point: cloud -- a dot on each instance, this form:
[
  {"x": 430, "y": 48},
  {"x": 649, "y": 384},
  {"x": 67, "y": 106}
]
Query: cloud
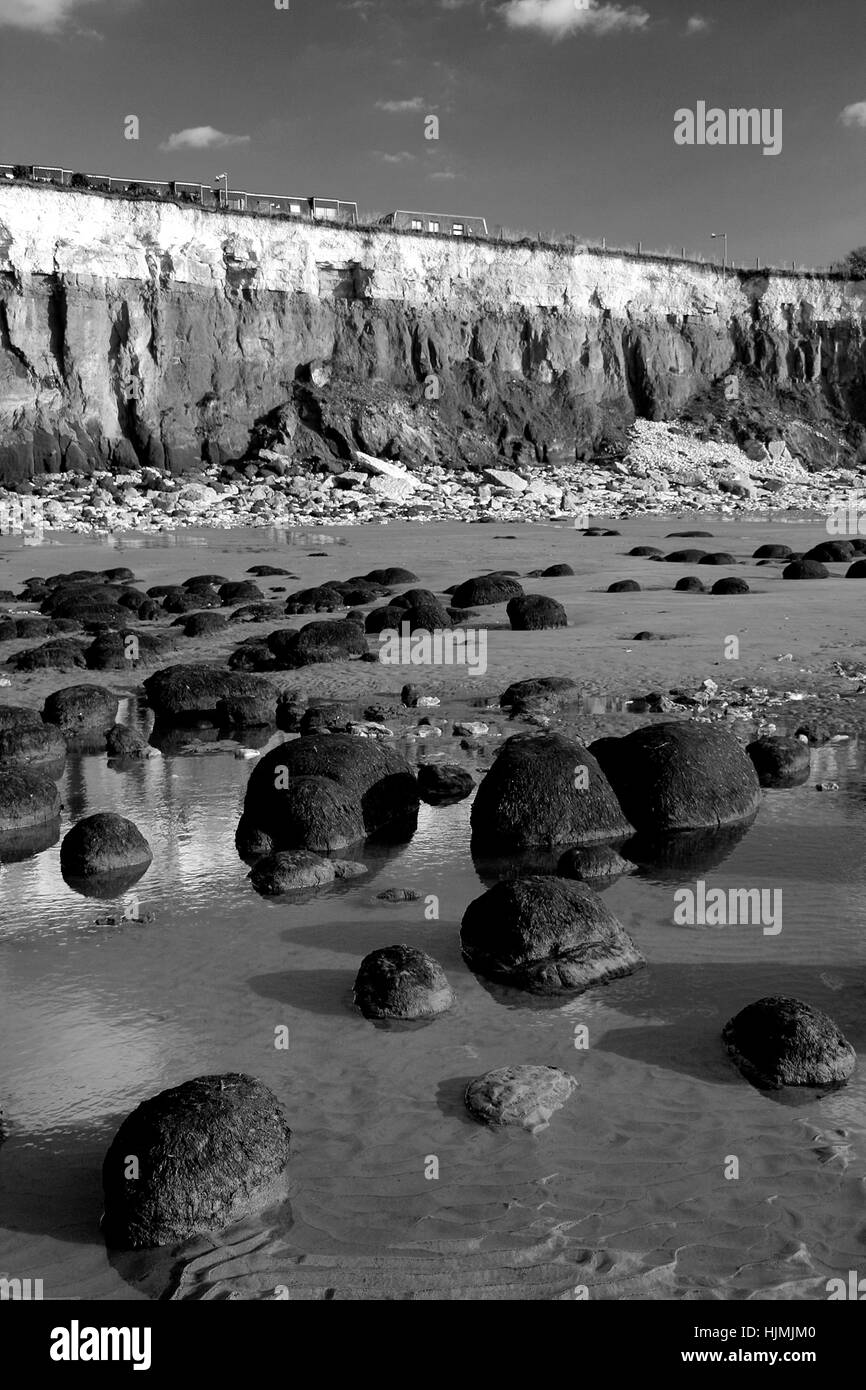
[
  {"x": 445, "y": 175},
  {"x": 854, "y": 115},
  {"x": 41, "y": 16},
  {"x": 412, "y": 104},
  {"x": 202, "y": 137},
  {"x": 559, "y": 18},
  {"x": 697, "y": 24},
  {"x": 401, "y": 157}
]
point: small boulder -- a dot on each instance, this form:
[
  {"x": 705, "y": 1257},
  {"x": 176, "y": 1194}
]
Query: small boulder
[
  {"x": 780, "y": 762},
  {"x": 805, "y": 569},
  {"x": 535, "y": 612},
  {"x": 103, "y": 844},
  {"x": 730, "y": 585},
  {"x": 488, "y": 588},
  {"x": 400, "y": 982},
  {"x": 624, "y": 586},
  {"x": 444, "y": 782},
  {"x": 525, "y": 1096},
  {"x": 779, "y": 1041}
]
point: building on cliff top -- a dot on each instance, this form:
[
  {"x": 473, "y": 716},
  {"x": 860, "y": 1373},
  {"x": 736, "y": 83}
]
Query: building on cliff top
[{"x": 447, "y": 223}]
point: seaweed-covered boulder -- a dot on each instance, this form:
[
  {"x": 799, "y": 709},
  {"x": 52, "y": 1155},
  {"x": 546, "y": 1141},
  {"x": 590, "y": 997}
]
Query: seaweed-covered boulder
[
  {"x": 18, "y": 717},
  {"x": 831, "y": 552},
  {"x": 545, "y": 790},
  {"x": 488, "y": 588},
  {"x": 524, "y": 1096},
  {"x": 424, "y": 614},
  {"x": 26, "y": 629},
  {"x": 680, "y": 776},
  {"x": 103, "y": 844},
  {"x": 209, "y": 1152},
  {"x": 61, "y": 654},
  {"x": 730, "y": 585},
  {"x": 267, "y": 572},
  {"x": 181, "y": 693},
  {"x": 252, "y": 655},
  {"x": 387, "y": 619},
  {"x": 805, "y": 569},
  {"x": 401, "y": 982},
  {"x": 780, "y": 761},
  {"x": 773, "y": 552},
  {"x": 119, "y": 574},
  {"x": 338, "y": 640},
  {"x": 202, "y": 624},
  {"x": 244, "y": 591},
  {"x": 123, "y": 742},
  {"x": 360, "y": 592},
  {"x": 685, "y": 557},
  {"x": 269, "y": 612},
  {"x": 718, "y": 557},
  {"x": 292, "y": 871},
  {"x": 522, "y": 692},
  {"x": 191, "y": 601},
  {"x": 327, "y": 791},
  {"x": 33, "y": 745},
  {"x": 546, "y": 935},
  {"x": 391, "y": 575},
  {"x": 126, "y": 650},
  {"x": 444, "y": 782},
  {"x": 779, "y": 1041},
  {"x": 535, "y": 612},
  {"x": 205, "y": 581},
  {"x": 253, "y": 710},
  {"x": 646, "y": 552},
  {"x": 27, "y": 798},
  {"x": 80, "y": 709},
  {"x": 624, "y": 586},
  {"x": 322, "y": 599},
  {"x": 557, "y": 572},
  {"x": 690, "y": 584}
]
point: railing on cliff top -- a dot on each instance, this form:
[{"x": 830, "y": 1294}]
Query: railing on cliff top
[{"x": 281, "y": 205}]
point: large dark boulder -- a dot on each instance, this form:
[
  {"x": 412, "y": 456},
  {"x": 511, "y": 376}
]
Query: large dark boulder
[
  {"x": 401, "y": 982},
  {"x": 624, "y": 586},
  {"x": 488, "y": 588},
  {"x": 773, "y": 552},
  {"x": 207, "y": 1153},
  {"x": 685, "y": 557},
  {"x": 316, "y": 643},
  {"x": 718, "y": 557},
  {"x": 61, "y": 654},
  {"x": 779, "y": 1042},
  {"x": 730, "y": 585},
  {"x": 327, "y": 791},
  {"x": 191, "y": 601},
  {"x": 545, "y": 790},
  {"x": 27, "y": 799},
  {"x": 81, "y": 709},
  {"x": 123, "y": 742},
  {"x": 646, "y": 552},
  {"x": 535, "y": 612},
  {"x": 537, "y": 686},
  {"x": 201, "y": 624},
  {"x": 831, "y": 552},
  {"x": 387, "y": 619},
  {"x": 126, "y": 650},
  {"x": 857, "y": 570},
  {"x": 690, "y": 584},
  {"x": 546, "y": 935},
  {"x": 680, "y": 776},
  {"x": 805, "y": 569},
  {"x": 322, "y": 599},
  {"x": 244, "y": 591},
  {"x": 392, "y": 575},
  {"x": 103, "y": 844},
  {"x": 779, "y": 761},
  {"x": 179, "y": 694}
]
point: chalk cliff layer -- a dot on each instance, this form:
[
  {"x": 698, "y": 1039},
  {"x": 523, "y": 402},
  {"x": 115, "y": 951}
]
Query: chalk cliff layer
[{"x": 148, "y": 331}]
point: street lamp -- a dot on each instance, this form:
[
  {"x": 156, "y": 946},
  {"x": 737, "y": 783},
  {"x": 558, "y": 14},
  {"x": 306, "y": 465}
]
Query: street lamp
[
  {"x": 713, "y": 237},
  {"x": 226, "y": 178}
]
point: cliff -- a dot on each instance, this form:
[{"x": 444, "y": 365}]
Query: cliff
[{"x": 146, "y": 331}]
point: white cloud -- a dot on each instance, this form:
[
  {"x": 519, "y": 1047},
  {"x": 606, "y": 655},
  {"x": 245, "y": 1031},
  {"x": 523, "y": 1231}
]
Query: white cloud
[
  {"x": 559, "y": 18},
  {"x": 202, "y": 137},
  {"x": 402, "y": 157},
  {"x": 855, "y": 114},
  {"x": 43, "y": 16},
  {"x": 445, "y": 175},
  {"x": 697, "y": 24},
  {"x": 412, "y": 104}
]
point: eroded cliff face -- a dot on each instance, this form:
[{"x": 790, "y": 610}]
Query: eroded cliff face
[{"x": 148, "y": 331}]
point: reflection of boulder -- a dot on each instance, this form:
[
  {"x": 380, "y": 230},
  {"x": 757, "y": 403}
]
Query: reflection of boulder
[
  {"x": 546, "y": 935},
  {"x": 36, "y": 745},
  {"x": 685, "y": 852},
  {"x": 401, "y": 982},
  {"x": 206, "y": 1153},
  {"x": 784, "y": 1042},
  {"x": 27, "y": 798},
  {"x": 17, "y": 845},
  {"x": 680, "y": 776},
  {"x": 545, "y": 789},
  {"x": 525, "y": 1096},
  {"x": 326, "y": 791}
]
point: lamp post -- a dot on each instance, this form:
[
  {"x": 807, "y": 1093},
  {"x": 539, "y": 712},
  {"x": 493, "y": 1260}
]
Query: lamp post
[
  {"x": 225, "y": 177},
  {"x": 714, "y": 236}
]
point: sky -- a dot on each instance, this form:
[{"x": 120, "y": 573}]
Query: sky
[{"x": 555, "y": 117}]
